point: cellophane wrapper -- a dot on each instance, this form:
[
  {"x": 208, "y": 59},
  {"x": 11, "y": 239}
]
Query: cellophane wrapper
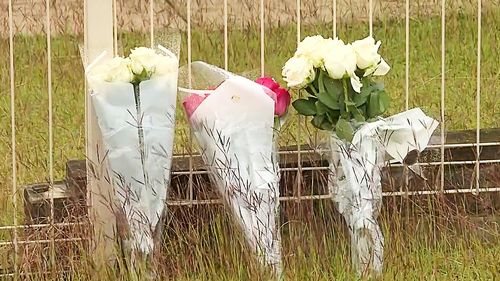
[
  {"x": 355, "y": 178},
  {"x": 234, "y": 129},
  {"x": 137, "y": 127}
]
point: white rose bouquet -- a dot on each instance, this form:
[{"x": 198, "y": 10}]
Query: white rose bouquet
[
  {"x": 134, "y": 99},
  {"x": 344, "y": 99},
  {"x": 233, "y": 125}
]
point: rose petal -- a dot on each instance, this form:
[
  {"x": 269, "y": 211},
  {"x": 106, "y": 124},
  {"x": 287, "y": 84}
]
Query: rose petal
[
  {"x": 192, "y": 102},
  {"x": 268, "y": 82},
  {"x": 283, "y": 100}
]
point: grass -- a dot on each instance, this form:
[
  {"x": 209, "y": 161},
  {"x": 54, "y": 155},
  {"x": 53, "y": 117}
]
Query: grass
[{"x": 311, "y": 253}]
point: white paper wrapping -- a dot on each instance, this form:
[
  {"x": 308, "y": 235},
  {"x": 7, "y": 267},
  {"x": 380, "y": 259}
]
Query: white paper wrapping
[
  {"x": 234, "y": 129},
  {"x": 355, "y": 178},
  {"x": 139, "y": 144}
]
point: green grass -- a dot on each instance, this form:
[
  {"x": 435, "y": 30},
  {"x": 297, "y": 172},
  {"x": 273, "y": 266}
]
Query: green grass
[{"x": 451, "y": 257}]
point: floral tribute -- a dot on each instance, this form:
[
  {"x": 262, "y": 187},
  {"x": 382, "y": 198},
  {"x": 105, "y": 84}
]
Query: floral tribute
[
  {"x": 236, "y": 125},
  {"x": 345, "y": 99},
  {"x": 134, "y": 99}
]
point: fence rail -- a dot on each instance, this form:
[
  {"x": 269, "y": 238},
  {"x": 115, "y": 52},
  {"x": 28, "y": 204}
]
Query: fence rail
[{"x": 154, "y": 19}]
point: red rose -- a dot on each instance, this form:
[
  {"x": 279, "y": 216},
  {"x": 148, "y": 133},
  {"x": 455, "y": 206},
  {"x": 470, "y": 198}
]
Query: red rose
[{"x": 280, "y": 96}]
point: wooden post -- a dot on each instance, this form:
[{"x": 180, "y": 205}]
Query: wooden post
[{"x": 98, "y": 38}]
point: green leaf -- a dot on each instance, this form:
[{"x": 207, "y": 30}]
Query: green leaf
[
  {"x": 333, "y": 116},
  {"x": 344, "y": 130},
  {"x": 317, "y": 120},
  {"x": 321, "y": 108},
  {"x": 374, "y": 105},
  {"x": 357, "y": 114},
  {"x": 333, "y": 87},
  {"x": 321, "y": 122},
  {"x": 384, "y": 101},
  {"x": 310, "y": 91},
  {"x": 321, "y": 85},
  {"x": 329, "y": 100},
  {"x": 305, "y": 106}
]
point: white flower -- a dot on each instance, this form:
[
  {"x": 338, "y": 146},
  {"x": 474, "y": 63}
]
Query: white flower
[
  {"x": 116, "y": 69},
  {"x": 368, "y": 58},
  {"x": 340, "y": 59},
  {"x": 298, "y": 72},
  {"x": 164, "y": 66},
  {"x": 310, "y": 48},
  {"x": 143, "y": 58}
]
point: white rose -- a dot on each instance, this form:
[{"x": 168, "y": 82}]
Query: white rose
[
  {"x": 340, "y": 59},
  {"x": 368, "y": 58},
  {"x": 310, "y": 49},
  {"x": 164, "y": 66},
  {"x": 143, "y": 58},
  {"x": 116, "y": 69},
  {"x": 298, "y": 72}
]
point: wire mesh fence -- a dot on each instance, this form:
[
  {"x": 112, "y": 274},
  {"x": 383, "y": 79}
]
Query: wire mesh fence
[{"x": 442, "y": 54}]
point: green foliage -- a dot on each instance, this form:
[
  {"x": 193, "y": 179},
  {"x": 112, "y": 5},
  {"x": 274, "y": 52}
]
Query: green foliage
[{"x": 335, "y": 106}]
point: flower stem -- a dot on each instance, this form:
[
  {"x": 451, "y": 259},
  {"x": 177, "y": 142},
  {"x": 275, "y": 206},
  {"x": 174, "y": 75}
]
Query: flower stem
[{"x": 346, "y": 94}]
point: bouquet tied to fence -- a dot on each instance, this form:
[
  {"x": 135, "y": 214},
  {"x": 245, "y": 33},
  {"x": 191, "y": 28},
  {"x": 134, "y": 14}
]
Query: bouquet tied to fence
[
  {"x": 344, "y": 99},
  {"x": 134, "y": 99},
  {"x": 234, "y": 125}
]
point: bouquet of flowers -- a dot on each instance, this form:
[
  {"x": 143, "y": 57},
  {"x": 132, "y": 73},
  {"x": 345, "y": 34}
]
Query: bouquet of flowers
[
  {"x": 134, "y": 99},
  {"x": 233, "y": 125},
  {"x": 344, "y": 99}
]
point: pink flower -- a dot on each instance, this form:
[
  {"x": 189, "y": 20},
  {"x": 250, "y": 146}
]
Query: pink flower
[
  {"x": 192, "y": 102},
  {"x": 280, "y": 95},
  {"x": 282, "y": 101},
  {"x": 268, "y": 82}
]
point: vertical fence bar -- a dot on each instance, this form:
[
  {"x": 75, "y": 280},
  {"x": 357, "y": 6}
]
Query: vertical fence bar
[
  {"x": 151, "y": 23},
  {"x": 13, "y": 138},
  {"x": 262, "y": 39},
  {"x": 188, "y": 27},
  {"x": 299, "y": 120},
  {"x": 478, "y": 96},
  {"x": 407, "y": 54},
  {"x": 334, "y": 18},
  {"x": 51, "y": 138},
  {"x": 226, "y": 55},
  {"x": 115, "y": 29},
  {"x": 443, "y": 69},
  {"x": 370, "y": 16}
]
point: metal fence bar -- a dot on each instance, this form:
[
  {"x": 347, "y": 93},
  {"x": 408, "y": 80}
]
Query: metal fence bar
[
  {"x": 334, "y": 8},
  {"x": 329, "y": 196},
  {"x": 151, "y": 23},
  {"x": 262, "y": 39},
  {"x": 407, "y": 54},
  {"x": 13, "y": 137},
  {"x": 50, "y": 137},
  {"x": 319, "y": 168},
  {"x": 32, "y": 226},
  {"x": 443, "y": 81},
  {"x": 189, "y": 58},
  {"x": 370, "y": 16},
  {"x": 478, "y": 95},
  {"x": 299, "y": 119},
  {"x": 43, "y": 241},
  {"x": 226, "y": 52},
  {"x": 115, "y": 29}
]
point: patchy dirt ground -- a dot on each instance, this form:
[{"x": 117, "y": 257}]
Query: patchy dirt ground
[{"x": 67, "y": 15}]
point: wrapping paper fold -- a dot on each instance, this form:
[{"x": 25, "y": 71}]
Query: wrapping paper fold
[
  {"x": 355, "y": 178},
  {"x": 233, "y": 126},
  {"x": 138, "y": 136}
]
